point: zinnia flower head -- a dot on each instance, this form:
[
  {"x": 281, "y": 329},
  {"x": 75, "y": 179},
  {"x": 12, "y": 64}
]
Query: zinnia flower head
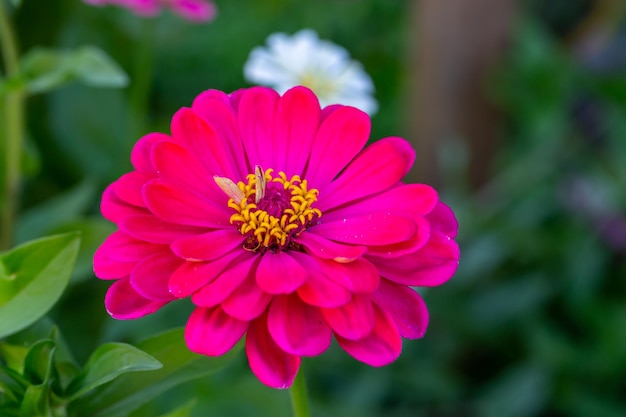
[
  {"x": 192, "y": 10},
  {"x": 268, "y": 213},
  {"x": 304, "y": 59}
]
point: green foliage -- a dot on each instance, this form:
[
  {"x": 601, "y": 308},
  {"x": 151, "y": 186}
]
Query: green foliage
[
  {"x": 132, "y": 391},
  {"x": 33, "y": 277},
  {"x": 107, "y": 363},
  {"x": 44, "y": 70},
  {"x": 41, "y": 378}
]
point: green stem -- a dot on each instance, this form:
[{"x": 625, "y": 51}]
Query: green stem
[
  {"x": 13, "y": 133},
  {"x": 299, "y": 400}
]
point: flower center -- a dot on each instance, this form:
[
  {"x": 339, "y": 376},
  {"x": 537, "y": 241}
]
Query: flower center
[
  {"x": 270, "y": 211},
  {"x": 319, "y": 82}
]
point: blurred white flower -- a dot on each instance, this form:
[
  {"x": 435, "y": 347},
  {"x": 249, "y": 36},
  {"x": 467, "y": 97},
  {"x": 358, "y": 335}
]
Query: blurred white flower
[{"x": 322, "y": 66}]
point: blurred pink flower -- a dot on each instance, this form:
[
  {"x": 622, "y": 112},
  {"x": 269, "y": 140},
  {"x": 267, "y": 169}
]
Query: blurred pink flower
[
  {"x": 271, "y": 216},
  {"x": 193, "y": 10}
]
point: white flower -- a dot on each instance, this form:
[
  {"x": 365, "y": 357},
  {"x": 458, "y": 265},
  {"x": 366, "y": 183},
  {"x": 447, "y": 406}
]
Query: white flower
[{"x": 322, "y": 66}]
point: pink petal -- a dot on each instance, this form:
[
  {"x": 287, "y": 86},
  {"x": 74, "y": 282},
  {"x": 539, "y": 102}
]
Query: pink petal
[
  {"x": 194, "y": 10},
  {"x": 247, "y": 301},
  {"x": 328, "y": 110},
  {"x": 144, "y": 8},
  {"x": 234, "y": 98},
  {"x": 151, "y": 276},
  {"x": 359, "y": 276},
  {"x": 298, "y": 328},
  {"x": 323, "y": 248},
  {"x": 201, "y": 140},
  {"x": 121, "y": 247},
  {"x": 376, "y": 228},
  {"x": 176, "y": 165},
  {"x": 380, "y": 166},
  {"x": 104, "y": 267},
  {"x": 192, "y": 276},
  {"x": 177, "y": 205},
  {"x": 319, "y": 290},
  {"x": 431, "y": 265},
  {"x": 352, "y": 321},
  {"x": 128, "y": 187},
  {"x": 405, "y": 306},
  {"x": 443, "y": 220},
  {"x": 114, "y": 209},
  {"x": 297, "y": 119},
  {"x": 140, "y": 155},
  {"x": 273, "y": 366},
  {"x": 214, "y": 107},
  {"x": 256, "y": 115},
  {"x": 381, "y": 347},
  {"x": 417, "y": 199},
  {"x": 124, "y": 303},
  {"x": 419, "y": 239},
  {"x": 203, "y": 106},
  {"x": 341, "y": 135},
  {"x": 219, "y": 288},
  {"x": 412, "y": 200},
  {"x": 211, "y": 332},
  {"x": 150, "y": 228},
  {"x": 279, "y": 273},
  {"x": 207, "y": 246}
]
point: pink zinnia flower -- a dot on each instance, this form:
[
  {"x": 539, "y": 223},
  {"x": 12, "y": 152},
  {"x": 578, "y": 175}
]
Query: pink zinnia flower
[
  {"x": 193, "y": 10},
  {"x": 271, "y": 216}
]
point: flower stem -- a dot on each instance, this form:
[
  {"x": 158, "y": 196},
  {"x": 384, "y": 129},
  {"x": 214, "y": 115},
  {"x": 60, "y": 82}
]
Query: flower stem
[
  {"x": 299, "y": 400},
  {"x": 13, "y": 131}
]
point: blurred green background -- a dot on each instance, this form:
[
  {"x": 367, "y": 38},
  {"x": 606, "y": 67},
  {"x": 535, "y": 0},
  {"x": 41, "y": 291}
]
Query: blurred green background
[{"x": 533, "y": 323}]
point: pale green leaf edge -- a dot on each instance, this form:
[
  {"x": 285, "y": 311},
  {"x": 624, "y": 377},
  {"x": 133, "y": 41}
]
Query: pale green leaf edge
[{"x": 13, "y": 315}]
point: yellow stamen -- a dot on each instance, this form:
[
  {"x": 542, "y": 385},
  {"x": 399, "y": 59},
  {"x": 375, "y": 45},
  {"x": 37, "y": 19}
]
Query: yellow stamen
[{"x": 266, "y": 231}]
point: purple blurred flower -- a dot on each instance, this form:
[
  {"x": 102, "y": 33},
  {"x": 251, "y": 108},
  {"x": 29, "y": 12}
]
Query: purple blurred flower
[{"x": 192, "y": 10}]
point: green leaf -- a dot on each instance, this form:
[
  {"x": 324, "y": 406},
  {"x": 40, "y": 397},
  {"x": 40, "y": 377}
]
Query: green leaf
[
  {"x": 65, "y": 366},
  {"x": 47, "y": 69},
  {"x": 36, "y": 402},
  {"x": 38, "y": 362},
  {"x": 13, "y": 355},
  {"x": 12, "y": 382},
  {"x": 32, "y": 278},
  {"x": 93, "y": 67},
  {"x": 42, "y": 329},
  {"x": 93, "y": 231},
  {"x": 131, "y": 391},
  {"x": 16, "y": 3},
  {"x": 15, "y": 348},
  {"x": 107, "y": 363}
]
